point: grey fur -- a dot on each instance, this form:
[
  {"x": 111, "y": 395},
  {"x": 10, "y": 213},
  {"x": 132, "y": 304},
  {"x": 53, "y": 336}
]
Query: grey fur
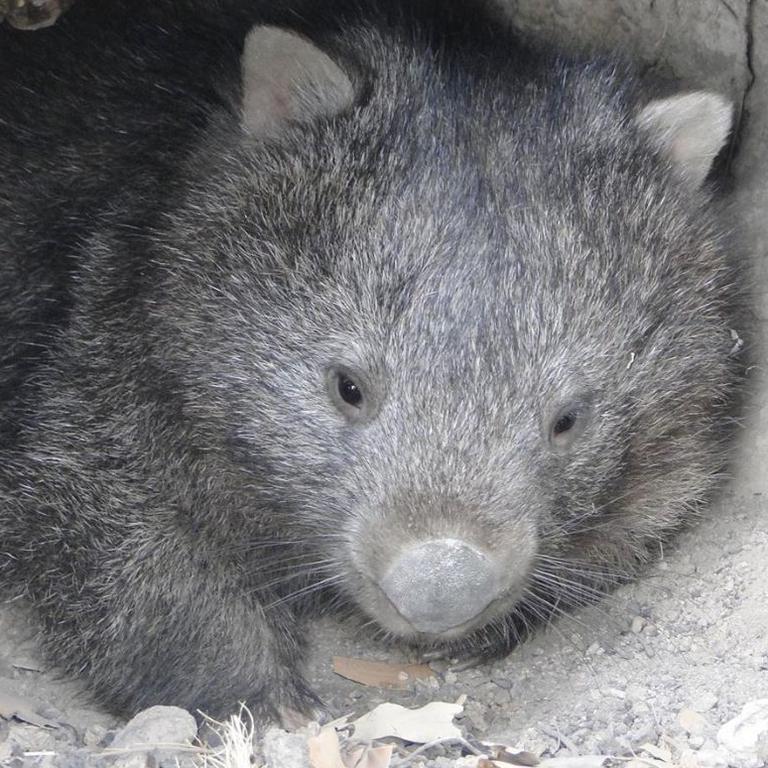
[{"x": 484, "y": 240}]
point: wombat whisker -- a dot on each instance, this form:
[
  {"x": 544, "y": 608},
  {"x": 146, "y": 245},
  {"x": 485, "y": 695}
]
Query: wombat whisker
[
  {"x": 299, "y": 543},
  {"x": 569, "y": 564},
  {"x": 291, "y": 563},
  {"x": 549, "y": 617},
  {"x": 295, "y": 575},
  {"x": 304, "y": 591},
  {"x": 287, "y": 571},
  {"x": 341, "y": 605},
  {"x": 578, "y": 594},
  {"x": 554, "y": 573},
  {"x": 595, "y": 580},
  {"x": 550, "y": 613},
  {"x": 303, "y": 580},
  {"x": 372, "y": 623},
  {"x": 575, "y": 570},
  {"x": 583, "y": 594},
  {"x": 255, "y": 545},
  {"x": 597, "y": 592}
]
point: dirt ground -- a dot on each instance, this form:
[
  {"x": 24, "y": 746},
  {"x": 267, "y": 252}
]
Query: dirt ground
[{"x": 691, "y": 636}]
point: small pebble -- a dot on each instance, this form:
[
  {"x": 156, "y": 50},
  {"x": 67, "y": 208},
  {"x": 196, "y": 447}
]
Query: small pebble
[
  {"x": 157, "y": 725},
  {"x": 711, "y": 758},
  {"x": 502, "y": 682},
  {"x": 614, "y": 693},
  {"x": 140, "y": 760},
  {"x": 635, "y": 692},
  {"x": 94, "y": 735},
  {"x": 703, "y": 702},
  {"x": 692, "y": 722},
  {"x": 533, "y": 740},
  {"x": 696, "y": 741},
  {"x": 641, "y": 709},
  {"x": 688, "y": 759}
]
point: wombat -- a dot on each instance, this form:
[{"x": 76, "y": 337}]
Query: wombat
[{"x": 353, "y": 306}]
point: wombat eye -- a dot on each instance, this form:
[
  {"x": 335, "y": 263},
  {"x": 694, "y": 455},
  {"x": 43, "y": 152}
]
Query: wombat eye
[
  {"x": 563, "y": 424},
  {"x": 349, "y": 391},
  {"x": 567, "y": 424}
]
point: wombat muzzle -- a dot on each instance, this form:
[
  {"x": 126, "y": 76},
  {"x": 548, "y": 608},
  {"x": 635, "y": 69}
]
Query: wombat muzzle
[{"x": 440, "y": 584}]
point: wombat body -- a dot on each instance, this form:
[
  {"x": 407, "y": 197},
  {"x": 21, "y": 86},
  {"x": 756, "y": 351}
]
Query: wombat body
[{"x": 372, "y": 304}]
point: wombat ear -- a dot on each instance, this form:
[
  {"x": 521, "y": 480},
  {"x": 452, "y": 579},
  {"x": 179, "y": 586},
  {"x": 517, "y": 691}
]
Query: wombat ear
[
  {"x": 691, "y": 128},
  {"x": 286, "y": 78}
]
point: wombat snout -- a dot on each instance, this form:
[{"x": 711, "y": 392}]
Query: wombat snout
[{"x": 440, "y": 584}]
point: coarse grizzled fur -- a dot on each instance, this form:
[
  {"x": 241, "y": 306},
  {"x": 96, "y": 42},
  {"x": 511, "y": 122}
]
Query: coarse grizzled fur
[{"x": 450, "y": 296}]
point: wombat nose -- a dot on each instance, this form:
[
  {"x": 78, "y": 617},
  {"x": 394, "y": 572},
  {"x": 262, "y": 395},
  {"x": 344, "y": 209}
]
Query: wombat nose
[{"x": 440, "y": 584}]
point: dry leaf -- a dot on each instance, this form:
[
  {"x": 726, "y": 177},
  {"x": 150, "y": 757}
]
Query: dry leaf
[
  {"x": 369, "y": 757},
  {"x": 27, "y": 665},
  {"x": 514, "y": 757},
  {"x": 380, "y": 674},
  {"x": 324, "y": 751},
  {"x": 744, "y": 734},
  {"x": 428, "y": 723},
  {"x": 340, "y": 723},
  {"x": 12, "y": 705},
  {"x": 660, "y": 753}
]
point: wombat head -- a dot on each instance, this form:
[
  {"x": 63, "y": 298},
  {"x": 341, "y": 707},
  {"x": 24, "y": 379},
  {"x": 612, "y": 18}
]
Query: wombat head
[{"x": 464, "y": 321}]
